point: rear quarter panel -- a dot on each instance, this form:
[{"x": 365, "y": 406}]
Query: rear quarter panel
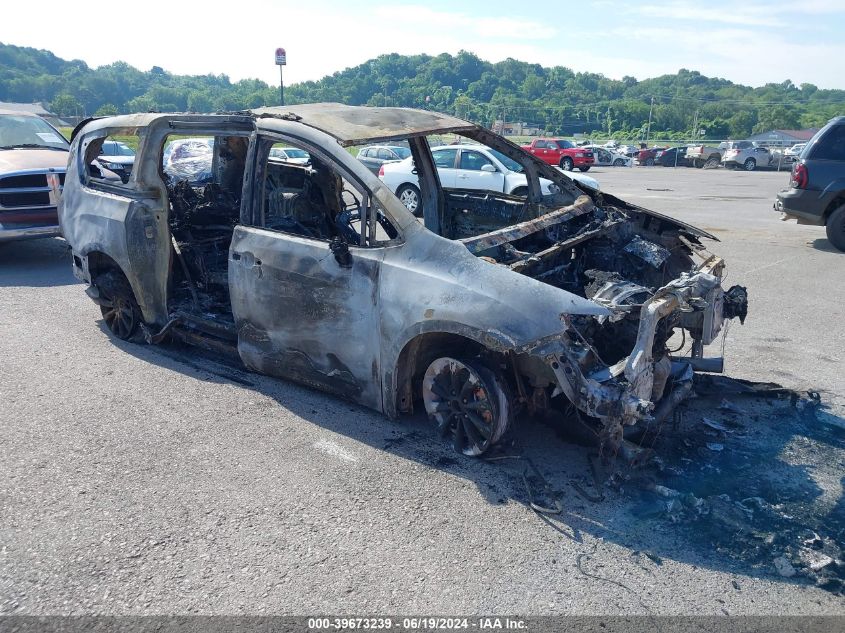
[{"x": 125, "y": 223}]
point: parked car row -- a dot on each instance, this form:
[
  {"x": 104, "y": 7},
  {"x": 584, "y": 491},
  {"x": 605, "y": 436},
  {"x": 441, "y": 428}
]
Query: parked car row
[
  {"x": 745, "y": 155},
  {"x": 582, "y": 156}
]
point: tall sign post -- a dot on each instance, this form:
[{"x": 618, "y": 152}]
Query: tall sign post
[{"x": 281, "y": 62}]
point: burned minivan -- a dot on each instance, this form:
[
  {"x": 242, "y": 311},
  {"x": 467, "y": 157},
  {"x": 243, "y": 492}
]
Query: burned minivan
[{"x": 563, "y": 299}]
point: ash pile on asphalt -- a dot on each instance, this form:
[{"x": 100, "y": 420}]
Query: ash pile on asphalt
[{"x": 754, "y": 472}]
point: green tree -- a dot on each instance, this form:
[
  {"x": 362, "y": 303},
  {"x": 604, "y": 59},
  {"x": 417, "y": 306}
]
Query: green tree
[
  {"x": 557, "y": 98},
  {"x": 140, "y": 104},
  {"x": 66, "y": 105},
  {"x": 776, "y": 118},
  {"x": 107, "y": 109},
  {"x": 741, "y": 124},
  {"x": 533, "y": 87},
  {"x": 199, "y": 101}
]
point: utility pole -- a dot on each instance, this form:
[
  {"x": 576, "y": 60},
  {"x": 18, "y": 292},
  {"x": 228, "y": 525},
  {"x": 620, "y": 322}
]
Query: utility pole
[
  {"x": 281, "y": 61},
  {"x": 648, "y": 129}
]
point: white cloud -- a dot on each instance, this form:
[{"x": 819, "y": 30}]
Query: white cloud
[
  {"x": 747, "y": 15},
  {"x": 742, "y": 55},
  {"x": 424, "y": 19}
]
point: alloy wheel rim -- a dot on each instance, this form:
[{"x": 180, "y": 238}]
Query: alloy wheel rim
[
  {"x": 409, "y": 199},
  {"x": 461, "y": 404},
  {"x": 119, "y": 318}
]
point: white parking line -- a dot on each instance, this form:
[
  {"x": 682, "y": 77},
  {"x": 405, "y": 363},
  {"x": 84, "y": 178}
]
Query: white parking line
[{"x": 334, "y": 449}]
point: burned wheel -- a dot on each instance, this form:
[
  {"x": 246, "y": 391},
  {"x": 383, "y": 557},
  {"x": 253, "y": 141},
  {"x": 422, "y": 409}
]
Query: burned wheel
[
  {"x": 119, "y": 309},
  {"x": 468, "y": 401}
]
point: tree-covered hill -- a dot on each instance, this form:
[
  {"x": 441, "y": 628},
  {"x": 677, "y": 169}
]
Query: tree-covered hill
[{"x": 556, "y": 99}]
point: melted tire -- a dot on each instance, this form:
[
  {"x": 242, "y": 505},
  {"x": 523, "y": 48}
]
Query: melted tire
[
  {"x": 123, "y": 316},
  {"x": 469, "y": 401}
]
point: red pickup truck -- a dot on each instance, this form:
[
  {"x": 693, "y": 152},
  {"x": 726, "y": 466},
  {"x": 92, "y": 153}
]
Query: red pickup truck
[{"x": 564, "y": 154}]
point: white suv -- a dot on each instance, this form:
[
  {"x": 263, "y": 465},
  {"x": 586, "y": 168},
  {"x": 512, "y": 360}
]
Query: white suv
[{"x": 746, "y": 155}]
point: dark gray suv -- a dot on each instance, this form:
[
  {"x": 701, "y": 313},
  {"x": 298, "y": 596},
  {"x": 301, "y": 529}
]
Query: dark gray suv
[{"x": 816, "y": 193}]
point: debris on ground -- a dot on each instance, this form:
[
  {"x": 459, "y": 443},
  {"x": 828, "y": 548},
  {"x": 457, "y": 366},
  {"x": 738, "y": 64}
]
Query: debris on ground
[
  {"x": 715, "y": 424},
  {"x": 784, "y": 567},
  {"x": 727, "y": 405},
  {"x": 763, "y": 499}
]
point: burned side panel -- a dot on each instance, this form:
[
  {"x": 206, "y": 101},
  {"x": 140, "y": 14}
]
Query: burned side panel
[
  {"x": 127, "y": 225},
  {"x": 300, "y": 314}
]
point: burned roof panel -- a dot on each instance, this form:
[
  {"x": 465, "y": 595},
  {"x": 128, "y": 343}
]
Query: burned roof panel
[{"x": 356, "y": 125}]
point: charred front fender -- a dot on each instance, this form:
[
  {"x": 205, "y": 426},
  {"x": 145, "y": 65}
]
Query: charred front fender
[
  {"x": 449, "y": 290},
  {"x": 400, "y": 363}
]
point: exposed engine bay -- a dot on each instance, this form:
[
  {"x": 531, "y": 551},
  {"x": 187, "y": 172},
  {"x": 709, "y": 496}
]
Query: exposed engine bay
[{"x": 655, "y": 278}]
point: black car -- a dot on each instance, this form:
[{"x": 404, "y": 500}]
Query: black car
[
  {"x": 816, "y": 193},
  {"x": 671, "y": 157},
  {"x": 117, "y": 157}
]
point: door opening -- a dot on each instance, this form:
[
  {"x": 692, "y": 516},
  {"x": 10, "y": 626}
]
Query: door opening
[{"x": 204, "y": 177}]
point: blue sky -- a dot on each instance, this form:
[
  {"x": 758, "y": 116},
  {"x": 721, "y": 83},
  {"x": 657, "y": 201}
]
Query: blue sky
[{"x": 748, "y": 41}]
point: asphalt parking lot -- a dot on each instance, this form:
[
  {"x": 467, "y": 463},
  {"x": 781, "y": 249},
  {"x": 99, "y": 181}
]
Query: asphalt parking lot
[{"x": 153, "y": 480}]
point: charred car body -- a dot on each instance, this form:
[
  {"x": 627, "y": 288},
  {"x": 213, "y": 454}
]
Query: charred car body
[{"x": 495, "y": 303}]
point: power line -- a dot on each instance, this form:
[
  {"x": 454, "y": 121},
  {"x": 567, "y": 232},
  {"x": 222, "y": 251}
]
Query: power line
[{"x": 739, "y": 101}]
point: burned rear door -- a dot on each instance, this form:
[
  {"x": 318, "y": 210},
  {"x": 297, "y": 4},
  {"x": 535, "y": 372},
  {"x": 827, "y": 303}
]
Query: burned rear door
[{"x": 304, "y": 295}]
